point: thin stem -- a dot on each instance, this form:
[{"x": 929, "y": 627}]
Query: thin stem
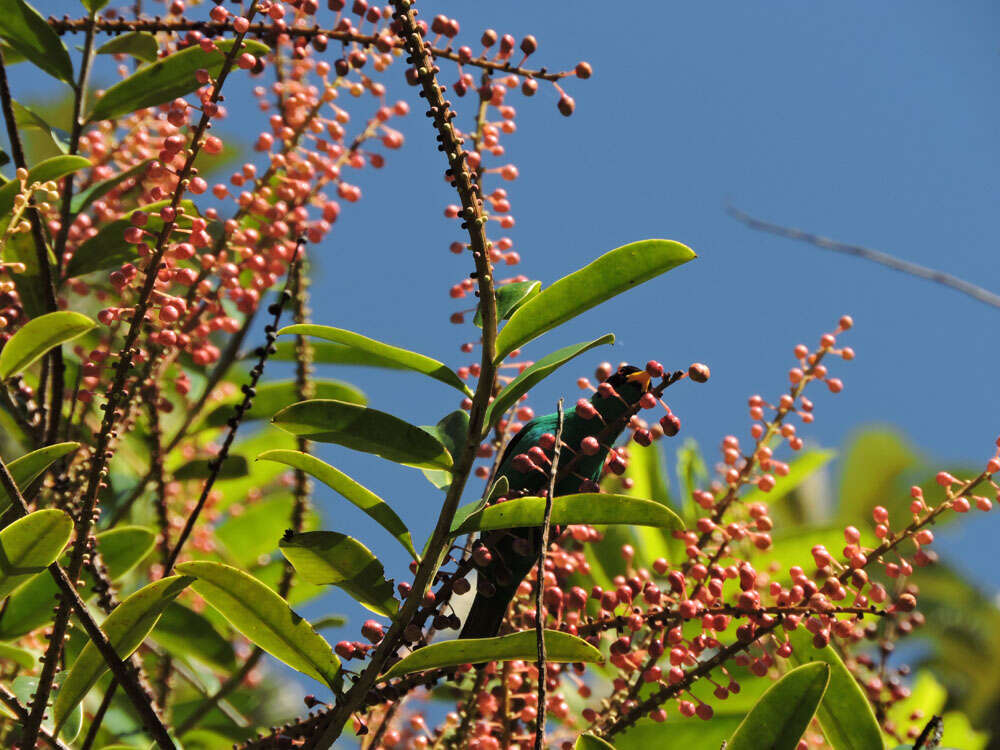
[
  {"x": 475, "y": 224},
  {"x": 867, "y": 253},
  {"x": 10, "y": 700},
  {"x": 540, "y": 580}
]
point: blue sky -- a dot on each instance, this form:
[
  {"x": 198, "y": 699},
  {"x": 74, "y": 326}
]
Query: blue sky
[{"x": 873, "y": 123}]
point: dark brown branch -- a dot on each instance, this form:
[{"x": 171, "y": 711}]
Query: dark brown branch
[{"x": 875, "y": 256}]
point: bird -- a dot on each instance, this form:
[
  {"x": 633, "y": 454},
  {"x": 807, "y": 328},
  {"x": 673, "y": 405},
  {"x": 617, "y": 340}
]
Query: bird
[{"x": 504, "y": 558}]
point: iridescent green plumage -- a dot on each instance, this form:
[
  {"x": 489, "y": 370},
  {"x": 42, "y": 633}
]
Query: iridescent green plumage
[{"x": 515, "y": 551}]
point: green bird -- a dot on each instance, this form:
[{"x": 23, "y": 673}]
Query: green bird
[{"x": 509, "y": 555}]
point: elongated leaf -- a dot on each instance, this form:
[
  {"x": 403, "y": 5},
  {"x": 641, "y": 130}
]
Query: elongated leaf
[
  {"x": 364, "y": 429},
  {"x": 559, "y": 647},
  {"x": 108, "y": 248},
  {"x": 327, "y": 557},
  {"x": 271, "y": 397},
  {"x": 185, "y": 633},
  {"x": 26, "y": 119},
  {"x": 30, "y": 607},
  {"x": 589, "y": 508},
  {"x": 780, "y": 717},
  {"x": 452, "y": 430},
  {"x": 30, "y": 466},
  {"x": 509, "y": 298},
  {"x": 232, "y": 468},
  {"x": 126, "y": 628},
  {"x": 330, "y": 621},
  {"x": 24, "y": 29},
  {"x": 98, "y": 190},
  {"x": 407, "y": 359},
  {"x": 799, "y": 470},
  {"x": 138, "y": 44},
  {"x": 535, "y": 374},
  {"x": 587, "y": 741},
  {"x": 338, "y": 481},
  {"x": 50, "y": 169},
  {"x": 165, "y": 79},
  {"x": 253, "y": 533},
  {"x": 38, "y": 336},
  {"x": 845, "y": 714},
  {"x": 24, "y": 687},
  {"x": 611, "y": 274},
  {"x": 264, "y": 618},
  {"x": 31, "y": 544},
  {"x": 19, "y": 656},
  {"x": 327, "y": 353}
]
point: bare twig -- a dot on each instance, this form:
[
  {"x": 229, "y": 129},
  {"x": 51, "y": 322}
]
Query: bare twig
[
  {"x": 540, "y": 580},
  {"x": 876, "y": 256}
]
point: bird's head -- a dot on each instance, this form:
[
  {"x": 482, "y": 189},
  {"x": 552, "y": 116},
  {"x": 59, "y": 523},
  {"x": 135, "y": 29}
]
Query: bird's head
[{"x": 621, "y": 391}]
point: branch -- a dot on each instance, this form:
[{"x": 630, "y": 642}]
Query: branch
[
  {"x": 475, "y": 223},
  {"x": 540, "y": 580},
  {"x": 876, "y": 256},
  {"x": 10, "y": 700}
]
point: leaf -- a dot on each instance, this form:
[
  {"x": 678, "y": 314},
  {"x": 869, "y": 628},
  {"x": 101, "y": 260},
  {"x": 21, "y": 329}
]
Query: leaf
[
  {"x": 648, "y": 480},
  {"x": 24, "y": 688},
  {"x": 264, "y": 618},
  {"x": 326, "y": 353},
  {"x": 126, "y": 628},
  {"x": 533, "y": 375},
  {"x": 799, "y": 470},
  {"x": 185, "y": 633},
  {"x": 330, "y": 621},
  {"x": 589, "y": 508},
  {"x": 31, "y": 544},
  {"x": 108, "y": 248},
  {"x": 271, "y": 397},
  {"x": 355, "y": 493},
  {"x": 50, "y": 169},
  {"x": 36, "y": 337},
  {"x": 871, "y": 473},
  {"x": 30, "y": 466},
  {"x": 691, "y": 474},
  {"x": 28, "y": 120},
  {"x": 510, "y": 297},
  {"x": 24, "y": 29},
  {"x": 781, "y": 716},
  {"x": 587, "y": 741},
  {"x": 845, "y": 714},
  {"x": 559, "y": 647},
  {"x": 232, "y": 467},
  {"x": 165, "y": 79},
  {"x": 405, "y": 358},
  {"x": 138, "y": 44},
  {"x": 452, "y": 430},
  {"x": 364, "y": 429},
  {"x": 254, "y": 533},
  {"x": 19, "y": 656},
  {"x": 327, "y": 557},
  {"x": 98, "y": 190},
  {"x": 30, "y": 607},
  {"x": 94, "y": 6},
  {"x": 611, "y": 274}
]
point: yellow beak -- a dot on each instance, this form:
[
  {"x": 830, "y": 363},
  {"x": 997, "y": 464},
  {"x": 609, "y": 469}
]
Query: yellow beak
[{"x": 642, "y": 377}]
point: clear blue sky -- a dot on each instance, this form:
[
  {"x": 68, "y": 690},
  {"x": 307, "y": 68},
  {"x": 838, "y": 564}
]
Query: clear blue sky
[{"x": 874, "y": 123}]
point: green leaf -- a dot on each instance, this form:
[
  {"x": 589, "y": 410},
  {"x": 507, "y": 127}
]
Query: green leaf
[
  {"x": 691, "y": 474},
  {"x": 30, "y": 466},
  {"x": 94, "y": 6},
  {"x": 327, "y": 557},
  {"x": 200, "y": 468},
  {"x": 405, "y": 358},
  {"x": 38, "y": 336},
  {"x": 648, "y": 480},
  {"x": 50, "y": 169},
  {"x": 138, "y": 44},
  {"x": 845, "y": 714},
  {"x": 271, "y": 397},
  {"x": 24, "y": 688},
  {"x": 799, "y": 470},
  {"x": 535, "y": 374},
  {"x": 364, "y": 429},
  {"x": 355, "y": 493},
  {"x": 31, "y": 544},
  {"x": 254, "y": 532},
  {"x": 611, "y": 274},
  {"x": 326, "y": 353},
  {"x": 185, "y": 633},
  {"x": 510, "y": 297},
  {"x": 24, "y": 29},
  {"x": 126, "y": 628},
  {"x": 587, "y": 741},
  {"x": 108, "y": 248},
  {"x": 330, "y": 621},
  {"x": 30, "y": 607},
  {"x": 29, "y": 120},
  {"x": 165, "y": 80},
  {"x": 559, "y": 647},
  {"x": 871, "y": 473},
  {"x": 264, "y": 618},
  {"x": 19, "y": 656},
  {"x": 781, "y": 716},
  {"x": 589, "y": 508},
  {"x": 452, "y": 430},
  {"x": 98, "y": 190}
]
